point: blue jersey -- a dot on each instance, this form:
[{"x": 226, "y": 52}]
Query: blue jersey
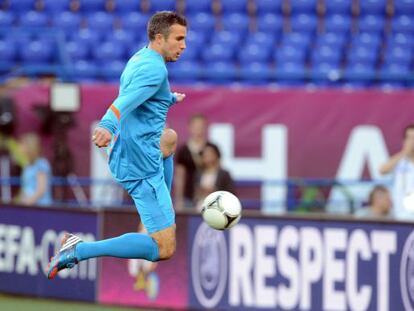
[{"x": 137, "y": 117}]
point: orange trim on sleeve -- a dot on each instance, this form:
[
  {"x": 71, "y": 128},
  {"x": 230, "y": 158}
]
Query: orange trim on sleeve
[{"x": 116, "y": 112}]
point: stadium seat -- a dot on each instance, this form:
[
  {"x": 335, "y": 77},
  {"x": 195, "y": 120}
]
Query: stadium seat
[
  {"x": 398, "y": 55},
  {"x": 289, "y": 53},
  {"x": 268, "y": 6},
  {"x": 127, "y": 6},
  {"x": 263, "y": 38},
  {"x": 218, "y": 52},
  {"x": 36, "y": 52},
  {"x": 221, "y": 72},
  {"x": 8, "y": 52},
  {"x": 185, "y": 72},
  {"x": 109, "y": 51},
  {"x": 101, "y": 22},
  {"x": 162, "y": 5},
  {"x": 359, "y": 72},
  {"x": 21, "y": 6},
  {"x": 325, "y": 73},
  {"x": 76, "y": 51},
  {"x": 195, "y": 39},
  {"x": 290, "y": 72},
  {"x": 338, "y": 23},
  {"x": 403, "y": 23},
  {"x": 331, "y": 38},
  {"x": 343, "y": 7},
  {"x": 233, "y": 6},
  {"x": 89, "y": 6},
  {"x": 254, "y": 53},
  {"x": 122, "y": 37},
  {"x": 297, "y": 39},
  {"x": 326, "y": 54},
  {"x": 404, "y": 7},
  {"x": 373, "y": 6},
  {"x": 236, "y": 22},
  {"x": 303, "y": 6},
  {"x": 226, "y": 37},
  {"x": 84, "y": 71},
  {"x": 394, "y": 73},
  {"x": 400, "y": 39},
  {"x": 256, "y": 73},
  {"x": 202, "y": 22},
  {"x": 87, "y": 37},
  {"x": 192, "y": 7},
  {"x": 362, "y": 54},
  {"x": 33, "y": 19},
  {"x": 366, "y": 39},
  {"x": 371, "y": 23},
  {"x": 304, "y": 23},
  {"x": 191, "y": 53},
  {"x": 270, "y": 23},
  {"x": 56, "y": 6},
  {"x": 68, "y": 22},
  {"x": 6, "y": 19},
  {"x": 111, "y": 70},
  {"x": 135, "y": 22}
]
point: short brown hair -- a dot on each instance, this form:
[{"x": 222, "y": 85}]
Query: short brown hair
[
  {"x": 376, "y": 189},
  {"x": 161, "y": 22},
  {"x": 407, "y": 128}
]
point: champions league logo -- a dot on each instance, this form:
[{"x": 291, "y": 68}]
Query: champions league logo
[
  {"x": 209, "y": 266},
  {"x": 407, "y": 273}
]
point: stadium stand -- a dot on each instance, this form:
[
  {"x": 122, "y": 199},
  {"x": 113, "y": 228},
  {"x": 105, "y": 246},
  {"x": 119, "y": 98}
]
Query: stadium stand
[{"x": 247, "y": 41}]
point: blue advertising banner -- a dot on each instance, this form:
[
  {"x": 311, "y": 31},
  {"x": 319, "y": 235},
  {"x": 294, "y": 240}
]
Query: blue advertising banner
[
  {"x": 29, "y": 237},
  {"x": 285, "y": 264}
]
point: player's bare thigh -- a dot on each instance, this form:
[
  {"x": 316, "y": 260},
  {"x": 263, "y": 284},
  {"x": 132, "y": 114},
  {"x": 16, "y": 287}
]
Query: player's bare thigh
[{"x": 166, "y": 242}]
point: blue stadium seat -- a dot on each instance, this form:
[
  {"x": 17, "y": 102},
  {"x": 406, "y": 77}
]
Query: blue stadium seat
[
  {"x": 400, "y": 39},
  {"x": 403, "y": 23},
  {"x": 122, "y": 37},
  {"x": 367, "y": 39},
  {"x": 101, "y": 22},
  {"x": 290, "y": 71},
  {"x": 254, "y": 53},
  {"x": 304, "y": 22},
  {"x": 234, "y": 6},
  {"x": 21, "y": 6},
  {"x": 362, "y": 54},
  {"x": 162, "y": 5},
  {"x": 270, "y": 23},
  {"x": 338, "y": 23},
  {"x": 256, "y": 73},
  {"x": 359, "y": 72},
  {"x": 83, "y": 70},
  {"x": 221, "y": 72},
  {"x": 398, "y": 55},
  {"x": 76, "y": 51},
  {"x": 297, "y": 39},
  {"x": 263, "y": 38},
  {"x": 372, "y": 6},
  {"x": 202, "y": 22},
  {"x": 192, "y": 7},
  {"x": 326, "y": 54},
  {"x": 56, "y": 6},
  {"x": 111, "y": 70},
  {"x": 225, "y": 37},
  {"x": 68, "y": 22},
  {"x": 6, "y": 19},
  {"x": 109, "y": 51},
  {"x": 37, "y": 52},
  {"x": 195, "y": 39},
  {"x": 88, "y": 6},
  {"x": 134, "y": 21},
  {"x": 185, "y": 72},
  {"x": 191, "y": 53},
  {"x": 404, "y": 7},
  {"x": 323, "y": 72},
  {"x": 289, "y": 53},
  {"x": 331, "y": 38},
  {"x": 127, "y": 6},
  {"x": 218, "y": 52},
  {"x": 371, "y": 23},
  {"x": 394, "y": 72},
  {"x": 236, "y": 22},
  {"x": 343, "y": 7},
  {"x": 34, "y": 19},
  {"x": 268, "y": 6},
  {"x": 8, "y": 51},
  {"x": 87, "y": 37},
  {"x": 303, "y": 6}
]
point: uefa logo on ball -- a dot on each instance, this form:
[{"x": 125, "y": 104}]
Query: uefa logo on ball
[
  {"x": 407, "y": 273},
  {"x": 209, "y": 265}
]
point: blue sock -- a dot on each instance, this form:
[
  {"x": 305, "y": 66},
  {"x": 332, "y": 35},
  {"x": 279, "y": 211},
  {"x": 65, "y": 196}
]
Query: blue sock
[
  {"x": 169, "y": 171},
  {"x": 129, "y": 245}
]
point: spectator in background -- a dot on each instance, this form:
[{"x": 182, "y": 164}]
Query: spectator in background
[
  {"x": 188, "y": 159},
  {"x": 36, "y": 175},
  {"x": 379, "y": 203},
  {"x": 401, "y": 165},
  {"x": 212, "y": 177}
]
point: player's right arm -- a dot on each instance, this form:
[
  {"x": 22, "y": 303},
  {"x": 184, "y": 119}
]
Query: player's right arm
[
  {"x": 391, "y": 164},
  {"x": 143, "y": 83}
]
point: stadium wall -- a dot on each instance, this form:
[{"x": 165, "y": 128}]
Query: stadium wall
[{"x": 264, "y": 263}]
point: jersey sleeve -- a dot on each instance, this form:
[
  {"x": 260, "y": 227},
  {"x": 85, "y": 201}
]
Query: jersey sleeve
[{"x": 144, "y": 83}]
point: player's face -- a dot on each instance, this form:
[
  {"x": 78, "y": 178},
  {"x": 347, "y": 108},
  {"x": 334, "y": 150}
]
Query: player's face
[{"x": 174, "y": 45}]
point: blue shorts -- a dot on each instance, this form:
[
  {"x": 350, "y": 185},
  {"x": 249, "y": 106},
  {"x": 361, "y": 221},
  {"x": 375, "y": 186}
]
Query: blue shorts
[{"x": 153, "y": 201}]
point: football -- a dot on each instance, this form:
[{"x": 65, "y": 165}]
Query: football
[{"x": 221, "y": 210}]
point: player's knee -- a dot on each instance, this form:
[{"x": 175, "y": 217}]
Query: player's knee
[
  {"x": 168, "y": 142},
  {"x": 167, "y": 250}
]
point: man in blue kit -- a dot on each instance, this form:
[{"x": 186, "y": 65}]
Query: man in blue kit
[{"x": 132, "y": 129}]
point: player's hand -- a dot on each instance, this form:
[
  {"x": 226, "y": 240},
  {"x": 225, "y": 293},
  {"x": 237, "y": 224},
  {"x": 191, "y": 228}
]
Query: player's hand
[
  {"x": 101, "y": 137},
  {"x": 180, "y": 96}
]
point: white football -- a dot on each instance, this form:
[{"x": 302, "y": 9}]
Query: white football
[{"x": 221, "y": 210}]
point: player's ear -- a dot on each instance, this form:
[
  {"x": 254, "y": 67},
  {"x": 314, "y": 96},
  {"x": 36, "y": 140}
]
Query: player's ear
[{"x": 158, "y": 38}]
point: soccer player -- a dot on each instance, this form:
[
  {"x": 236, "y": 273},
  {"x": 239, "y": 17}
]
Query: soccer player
[{"x": 132, "y": 129}]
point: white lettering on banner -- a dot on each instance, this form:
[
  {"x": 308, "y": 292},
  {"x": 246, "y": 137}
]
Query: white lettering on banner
[
  {"x": 288, "y": 267},
  {"x": 358, "y": 153},
  {"x": 335, "y": 241},
  {"x": 310, "y": 258},
  {"x": 359, "y": 246},
  {"x": 20, "y": 254},
  {"x": 270, "y": 167},
  {"x": 384, "y": 243},
  {"x": 265, "y": 266}
]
